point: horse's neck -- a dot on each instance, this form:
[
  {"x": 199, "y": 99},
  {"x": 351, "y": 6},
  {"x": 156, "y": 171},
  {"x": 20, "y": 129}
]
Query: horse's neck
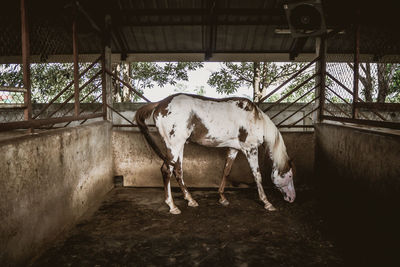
[{"x": 275, "y": 143}]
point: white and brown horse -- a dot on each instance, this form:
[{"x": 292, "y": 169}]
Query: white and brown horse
[{"x": 236, "y": 123}]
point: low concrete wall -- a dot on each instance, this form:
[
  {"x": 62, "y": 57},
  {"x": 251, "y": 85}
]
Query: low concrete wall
[
  {"x": 47, "y": 182},
  {"x": 202, "y": 166},
  {"x": 371, "y": 159},
  {"x": 358, "y": 181}
]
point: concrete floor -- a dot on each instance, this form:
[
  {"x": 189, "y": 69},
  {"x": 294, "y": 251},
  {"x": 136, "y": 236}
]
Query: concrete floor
[{"x": 132, "y": 227}]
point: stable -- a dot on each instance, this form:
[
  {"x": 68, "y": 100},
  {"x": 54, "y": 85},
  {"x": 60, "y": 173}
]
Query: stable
[{"x": 79, "y": 185}]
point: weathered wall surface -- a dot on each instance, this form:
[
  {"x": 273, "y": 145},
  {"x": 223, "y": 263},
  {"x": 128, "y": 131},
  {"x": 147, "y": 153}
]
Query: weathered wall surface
[
  {"x": 202, "y": 166},
  {"x": 48, "y": 181},
  {"x": 368, "y": 158},
  {"x": 358, "y": 181}
]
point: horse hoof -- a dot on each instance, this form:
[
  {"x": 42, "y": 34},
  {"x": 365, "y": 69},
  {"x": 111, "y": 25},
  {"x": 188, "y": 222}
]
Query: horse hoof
[
  {"x": 193, "y": 203},
  {"x": 224, "y": 202},
  {"x": 175, "y": 211},
  {"x": 269, "y": 207}
]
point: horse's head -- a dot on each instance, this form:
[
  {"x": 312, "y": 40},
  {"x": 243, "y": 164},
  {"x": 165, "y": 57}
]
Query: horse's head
[{"x": 284, "y": 182}]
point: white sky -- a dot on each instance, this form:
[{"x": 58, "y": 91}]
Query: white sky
[{"x": 196, "y": 78}]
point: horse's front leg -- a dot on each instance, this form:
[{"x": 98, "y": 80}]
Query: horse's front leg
[
  {"x": 252, "y": 157},
  {"x": 178, "y": 172}
]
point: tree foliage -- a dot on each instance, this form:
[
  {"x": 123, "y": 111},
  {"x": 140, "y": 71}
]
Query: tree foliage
[
  {"x": 261, "y": 76},
  {"x": 48, "y": 79}
]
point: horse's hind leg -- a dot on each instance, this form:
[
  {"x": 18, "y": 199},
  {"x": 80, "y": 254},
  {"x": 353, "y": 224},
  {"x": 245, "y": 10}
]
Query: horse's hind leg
[
  {"x": 178, "y": 172},
  {"x": 232, "y": 153},
  {"x": 166, "y": 171}
]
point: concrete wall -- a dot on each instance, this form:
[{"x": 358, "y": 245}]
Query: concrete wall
[
  {"x": 202, "y": 166},
  {"x": 358, "y": 183},
  {"x": 47, "y": 182},
  {"x": 370, "y": 159}
]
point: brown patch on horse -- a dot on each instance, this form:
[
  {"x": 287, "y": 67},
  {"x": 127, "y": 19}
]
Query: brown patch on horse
[
  {"x": 162, "y": 107},
  {"x": 172, "y": 132},
  {"x": 199, "y": 129},
  {"x": 242, "y": 134}
]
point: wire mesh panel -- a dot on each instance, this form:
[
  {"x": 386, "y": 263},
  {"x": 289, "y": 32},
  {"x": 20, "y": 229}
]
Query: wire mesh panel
[
  {"x": 339, "y": 86},
  {"x": 378, "y": 79},
  {"x": 291, "y": 104},
  {"x": 11, "y": 94}
]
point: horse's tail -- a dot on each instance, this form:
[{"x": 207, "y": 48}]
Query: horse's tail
[{"x": 141, "y": 115}]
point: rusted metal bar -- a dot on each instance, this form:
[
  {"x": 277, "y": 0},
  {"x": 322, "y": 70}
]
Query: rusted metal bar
[
  {"x": 127, "y": 85},
  {"x": 339, "y": 108},
  {"x": 12, "y": 89},
  {"x": 295, "y": 126},
  {"x": 132, "y": 125},
  {"x": 330, "y": 112},
  {"x": 302, "y": 107},
  {"x": 71, "y": 96},
  {"x": 356, "y": 71},
  {"x": 350, "y": 92},
  {"x": 94, "y": 111},
  {"x": 294, "y": 102},
  {"x": 288, "y": 80},
  {"x": 76, "y": 65},
  {"x": 108, "y": 94},
  {"x": 39, "y": 122},
  {"x": 12, "y": 106},
  {"x": 26, "y": 62},
  {"x": 305, "y": 116},
  {"x": 66, "y": 88},
  {"x": 103, "y": 84},
  {"x": 379, "y": 106},
  {"x": 116, "y": 111},
  {"x": 344, "y": 100},
  {"x": 382, "y": 124},
  {"x": 321, "y": 79},
  {"x": 83, "y": 109},
  {"x": 290, "y": 92}
]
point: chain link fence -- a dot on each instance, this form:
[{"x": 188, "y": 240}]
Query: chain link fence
[
  {"x": 378, "y": 80},
  {"x": 51, "y": 75}
]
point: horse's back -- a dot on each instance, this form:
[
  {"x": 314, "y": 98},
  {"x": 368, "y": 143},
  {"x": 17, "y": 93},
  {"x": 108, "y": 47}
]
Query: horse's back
[{"x": 207, "y": 121}]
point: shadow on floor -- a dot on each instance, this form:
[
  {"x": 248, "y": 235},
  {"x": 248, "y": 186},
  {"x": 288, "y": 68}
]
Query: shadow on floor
[{"x": 133, "y": 228}]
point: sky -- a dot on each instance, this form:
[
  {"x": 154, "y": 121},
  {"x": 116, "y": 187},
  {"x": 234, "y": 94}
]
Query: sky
[{"x": 196, "y": 78}]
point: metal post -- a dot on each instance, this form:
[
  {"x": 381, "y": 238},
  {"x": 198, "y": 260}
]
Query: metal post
[
  {"x": 320, "y": 68},
  {"x": 26, "y": 62},
  {"x": 106, "y": 64},
  {"x": 76, "y": 66},
  {"x": 356, "y": 76}
]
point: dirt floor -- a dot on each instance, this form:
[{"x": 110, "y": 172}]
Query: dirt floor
[{"x": 132, "y": 227}]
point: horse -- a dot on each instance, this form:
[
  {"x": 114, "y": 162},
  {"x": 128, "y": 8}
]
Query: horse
[{"x": 236, "y": 123}]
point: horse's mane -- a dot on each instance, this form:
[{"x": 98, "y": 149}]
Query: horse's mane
[{"x": 276, "y": 145}]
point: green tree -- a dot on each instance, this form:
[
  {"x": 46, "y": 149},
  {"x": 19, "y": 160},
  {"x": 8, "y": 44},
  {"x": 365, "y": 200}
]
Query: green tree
[
  {"x": 380, "y": 82},
  {"x": 260, "y": 76},
  {"x": 145, "y": 75},
  {"x": 48, "y": 79}
]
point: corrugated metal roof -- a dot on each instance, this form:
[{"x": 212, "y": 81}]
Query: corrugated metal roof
[{"x": 162, "y": 27}]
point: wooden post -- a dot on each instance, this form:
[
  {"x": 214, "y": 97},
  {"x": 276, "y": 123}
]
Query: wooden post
[
  {"x": 356, "y": 74},
  {"x": 107, "y": 96},
  {"x": 76, "y": 65},
  {"x": 26, "y": 62},
  {"x": 320, "y": 68}
]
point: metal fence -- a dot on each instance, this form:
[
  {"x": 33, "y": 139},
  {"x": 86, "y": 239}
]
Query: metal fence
[
  {"x": 364, "y": 88},
  {"x": 49, "y": 88}
]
